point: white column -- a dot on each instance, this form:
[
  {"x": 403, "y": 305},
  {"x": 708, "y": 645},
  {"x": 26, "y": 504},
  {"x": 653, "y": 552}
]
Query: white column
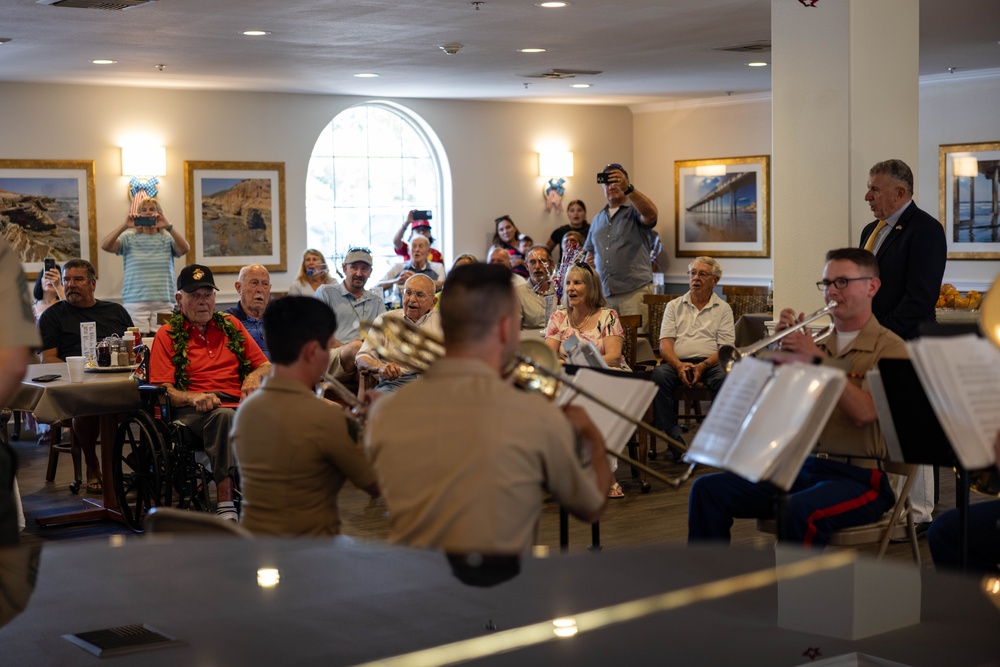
[{"x": 845, "y": 93}]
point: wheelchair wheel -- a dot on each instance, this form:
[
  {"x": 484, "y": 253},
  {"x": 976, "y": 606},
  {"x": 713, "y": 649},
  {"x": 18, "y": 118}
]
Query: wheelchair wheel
[{"x": 139, "y": 468}]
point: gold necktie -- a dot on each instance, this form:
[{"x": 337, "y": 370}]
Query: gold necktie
[{"x": 870, "y": 243}]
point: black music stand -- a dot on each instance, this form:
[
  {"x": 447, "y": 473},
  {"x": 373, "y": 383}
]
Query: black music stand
[{"x": 914, "y": 434}]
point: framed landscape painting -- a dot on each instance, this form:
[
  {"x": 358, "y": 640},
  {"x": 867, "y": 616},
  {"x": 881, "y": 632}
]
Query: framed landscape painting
[
  {"x": 48, "y": 209},
  {"x": 722, "y": 207},
  {"x": 968, "y": 178},
  {"x": 235, "y": 214}
]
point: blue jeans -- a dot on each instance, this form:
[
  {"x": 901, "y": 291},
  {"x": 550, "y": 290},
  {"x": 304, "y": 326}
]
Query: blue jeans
[{"x": 666, "y": 379}]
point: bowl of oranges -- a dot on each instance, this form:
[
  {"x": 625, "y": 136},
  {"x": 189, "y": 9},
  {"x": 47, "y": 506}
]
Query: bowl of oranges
[{"x": 950, "y": 298}]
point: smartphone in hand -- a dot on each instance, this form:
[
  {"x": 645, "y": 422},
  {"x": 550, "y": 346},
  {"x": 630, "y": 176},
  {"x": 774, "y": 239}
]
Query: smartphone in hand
[
  {"x": 49, "y": 264},
  {"x": 145, "y": 221}
]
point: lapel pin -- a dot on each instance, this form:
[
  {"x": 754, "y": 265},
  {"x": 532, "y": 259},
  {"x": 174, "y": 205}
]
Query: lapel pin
[{"x": 899, "y": 227}]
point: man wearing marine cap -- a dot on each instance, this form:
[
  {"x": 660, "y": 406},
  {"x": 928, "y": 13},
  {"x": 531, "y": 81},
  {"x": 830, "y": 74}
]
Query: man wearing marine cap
[{"x": 221, "y": 365}]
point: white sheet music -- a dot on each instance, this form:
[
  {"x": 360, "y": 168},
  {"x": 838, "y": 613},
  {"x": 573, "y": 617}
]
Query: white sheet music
[
  {"x": 766, "y": 419},
  {"x": 961, "y": 377},
  {"x": 729, "y": 410},
  {"x": 627, "y": 393}
]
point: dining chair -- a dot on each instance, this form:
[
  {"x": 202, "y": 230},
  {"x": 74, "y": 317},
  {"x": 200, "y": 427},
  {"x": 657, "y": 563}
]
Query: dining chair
[
  {"x": 638, "y": 445},
  {"x": 745, "y": 299},
  {"x": 656, "y": 304}
]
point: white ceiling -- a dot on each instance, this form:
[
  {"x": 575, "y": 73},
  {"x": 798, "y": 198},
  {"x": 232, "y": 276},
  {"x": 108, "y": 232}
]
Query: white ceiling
[{"x": 647, "y": 50}]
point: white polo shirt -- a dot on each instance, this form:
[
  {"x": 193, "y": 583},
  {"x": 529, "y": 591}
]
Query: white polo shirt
[{"x": 698, "y": 333}]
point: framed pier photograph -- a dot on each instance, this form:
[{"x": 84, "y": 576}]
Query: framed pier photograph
[
  {"x": 968, "y": 177},
  {"x": 722, "y": 207}
]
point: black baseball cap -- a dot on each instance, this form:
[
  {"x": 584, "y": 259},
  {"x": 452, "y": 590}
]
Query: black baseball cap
[{"x": 195, "y": 276}]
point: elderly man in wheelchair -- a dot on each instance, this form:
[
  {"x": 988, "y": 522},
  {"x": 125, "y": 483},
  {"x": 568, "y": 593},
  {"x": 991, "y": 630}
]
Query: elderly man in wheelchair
[{"x": 206, "y": 362}]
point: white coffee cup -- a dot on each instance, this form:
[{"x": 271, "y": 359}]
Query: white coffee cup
[{"x": 75, "y": 366}]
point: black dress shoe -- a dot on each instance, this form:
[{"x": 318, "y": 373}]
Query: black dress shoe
[
  {"x": 676, "y": 453},
  {"x": 920, "y": 528}
]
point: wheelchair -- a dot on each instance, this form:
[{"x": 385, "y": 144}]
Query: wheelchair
[{"x": 154, "y": 462}]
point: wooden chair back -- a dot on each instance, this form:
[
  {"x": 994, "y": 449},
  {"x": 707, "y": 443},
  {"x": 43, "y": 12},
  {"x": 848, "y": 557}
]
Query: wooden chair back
[
  {"x": 631, "y": 325},
  {"x": 655, "y": 305},
  {"x": 745, "y": 299}
]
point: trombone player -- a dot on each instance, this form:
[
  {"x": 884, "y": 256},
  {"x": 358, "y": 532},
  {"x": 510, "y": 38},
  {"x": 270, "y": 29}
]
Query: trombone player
[
  {"x": 842, "y": 485},
  {"x": 455, "y": 474}
]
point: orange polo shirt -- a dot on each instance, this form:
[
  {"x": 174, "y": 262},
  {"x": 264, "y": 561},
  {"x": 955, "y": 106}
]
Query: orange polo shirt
[{"x": 213, "y": 367}]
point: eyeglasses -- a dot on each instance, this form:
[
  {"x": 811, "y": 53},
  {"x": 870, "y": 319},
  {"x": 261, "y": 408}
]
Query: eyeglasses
[
  {"x": 584, "y": 265},
  {"x": 839, "y": 283},
  {"x": 419, "y": 295},
  {"x": 700, "y": 274},
  {"x": 614, "y": 165},
  {"x": 358, "y": 248}
]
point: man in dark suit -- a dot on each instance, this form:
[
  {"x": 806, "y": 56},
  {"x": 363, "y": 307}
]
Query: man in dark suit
[
  {"x": 911, "y": 251},
  {"x": 910, "y": 248}
]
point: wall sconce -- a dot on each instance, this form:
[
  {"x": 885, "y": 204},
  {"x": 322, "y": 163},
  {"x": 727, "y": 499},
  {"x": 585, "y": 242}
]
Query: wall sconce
[
  {"x": 966, "y": 165},
  {"x": 143, "y": 164},
  {"x": 707, "y": 170},
  {"x": 555, "y": 164}
]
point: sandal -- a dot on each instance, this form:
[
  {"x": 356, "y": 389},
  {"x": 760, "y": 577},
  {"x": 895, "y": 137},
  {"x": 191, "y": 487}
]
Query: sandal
[
  {"x": 616, "y": 491},
  {"x": 94, "y": 484}
]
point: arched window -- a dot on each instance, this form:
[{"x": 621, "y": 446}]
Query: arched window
[{"x": 372, "y": 164}]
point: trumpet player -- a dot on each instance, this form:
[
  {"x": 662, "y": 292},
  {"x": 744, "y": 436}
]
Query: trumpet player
[
  {"x": 456, "y": 474},
  {"x": 538, "y": 296},
  {"x": 842, "y": 484}
]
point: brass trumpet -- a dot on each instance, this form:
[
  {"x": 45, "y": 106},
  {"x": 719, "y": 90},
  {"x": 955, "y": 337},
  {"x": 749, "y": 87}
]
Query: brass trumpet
[
  {"x": 729, "y": 355},
  {"x": 534, "y": 370}
]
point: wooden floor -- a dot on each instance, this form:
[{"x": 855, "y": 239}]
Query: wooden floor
[{"x": 659, "y": 517}]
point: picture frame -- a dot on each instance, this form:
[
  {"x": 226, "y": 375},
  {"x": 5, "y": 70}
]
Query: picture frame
[
  {"x": 235, "y": 214},
  {"x": 968, "y": 172},
  {"x": 50, "y": 210},
  {"x": 722, "y": 207}
]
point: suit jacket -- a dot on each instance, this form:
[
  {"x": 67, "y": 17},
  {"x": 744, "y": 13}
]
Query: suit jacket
[{"x": 911, "y": 265}]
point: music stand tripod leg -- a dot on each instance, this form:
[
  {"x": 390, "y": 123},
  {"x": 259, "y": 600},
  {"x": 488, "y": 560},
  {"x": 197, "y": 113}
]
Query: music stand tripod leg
[
  {"x": 962, "y": 503},
  {"x": 563, "y": 529},
  {"x": 781, "y": 514}
]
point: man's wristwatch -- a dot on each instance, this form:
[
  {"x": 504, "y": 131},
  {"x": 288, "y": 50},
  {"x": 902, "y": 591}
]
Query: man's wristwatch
[
  {"x": 629, "y": 190},
  {"x": 169, "y": 228}
]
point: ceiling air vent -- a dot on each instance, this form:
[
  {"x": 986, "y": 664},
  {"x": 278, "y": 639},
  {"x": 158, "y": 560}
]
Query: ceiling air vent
[
  {"x": 113, "y": 5},
  {"x": 761, "y": 46},
  {"x": 560, "y": 73}
]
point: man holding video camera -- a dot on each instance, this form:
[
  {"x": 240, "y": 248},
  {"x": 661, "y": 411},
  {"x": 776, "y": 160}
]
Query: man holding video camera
[{"x": 619, "y": 242}]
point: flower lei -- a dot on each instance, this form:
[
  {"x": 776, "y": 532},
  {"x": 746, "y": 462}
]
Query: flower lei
[{"x": 182, "y": 338}]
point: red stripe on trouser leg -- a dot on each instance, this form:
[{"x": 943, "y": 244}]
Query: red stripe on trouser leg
[{"x": 868, "y": 496}]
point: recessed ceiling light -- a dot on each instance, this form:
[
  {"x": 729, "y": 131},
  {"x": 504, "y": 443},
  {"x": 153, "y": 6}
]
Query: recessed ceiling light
[
  {"x": 553, "y": 5},
  {"x": 255, "y": 33},
  {"x": 100, "y": 61},
  {"x": 580, "y": 85},
  {"x": 756, "y": 64},
  {"x": 366, "y": 75},
  {"x": 532, "y": 50}
]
